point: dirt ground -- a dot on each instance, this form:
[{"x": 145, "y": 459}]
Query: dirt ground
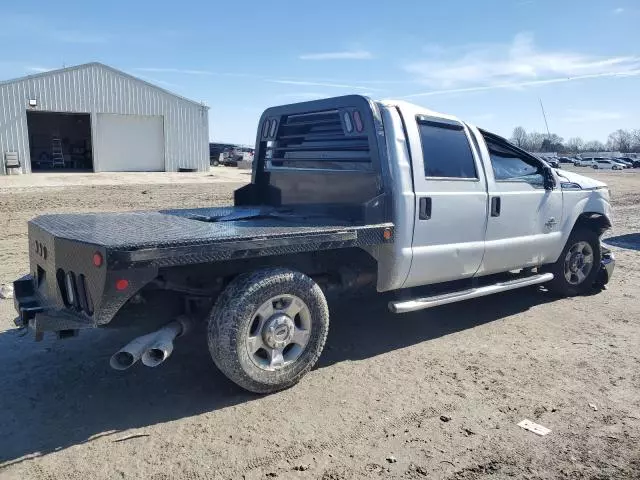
[{"x": 434, "y": 394}]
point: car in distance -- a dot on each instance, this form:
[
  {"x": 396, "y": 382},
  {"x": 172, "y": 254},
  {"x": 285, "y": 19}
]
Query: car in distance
[
  {"x": 554, "y": 162},
  {"x": 606, "y": 164},
  {"x": 215, "y": 150},
  {"x": 583, "y": 162},
  {"x": 238, "y": 154},
  {"x": 623, "y": 161}
]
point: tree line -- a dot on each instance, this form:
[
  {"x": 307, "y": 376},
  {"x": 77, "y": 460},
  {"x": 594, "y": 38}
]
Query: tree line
[{"x": 624, "y": 141}]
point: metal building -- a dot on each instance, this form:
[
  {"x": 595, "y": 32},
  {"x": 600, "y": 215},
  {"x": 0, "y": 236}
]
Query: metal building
[{"x": 95, "y": 118}]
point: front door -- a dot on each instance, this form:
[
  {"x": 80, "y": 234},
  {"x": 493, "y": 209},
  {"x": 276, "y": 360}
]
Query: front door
[
  {"x": 451, "y": 201},
  {"x": 523, "y": 228}
]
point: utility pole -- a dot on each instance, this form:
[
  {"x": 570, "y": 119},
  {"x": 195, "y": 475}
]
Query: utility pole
[{"x": 544, "y": 115}]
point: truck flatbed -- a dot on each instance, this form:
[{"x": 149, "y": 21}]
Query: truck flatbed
[{"x": 172, "y": 237}]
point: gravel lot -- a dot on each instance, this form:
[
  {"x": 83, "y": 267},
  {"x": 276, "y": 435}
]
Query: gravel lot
[{"x": 434, "y": 394}]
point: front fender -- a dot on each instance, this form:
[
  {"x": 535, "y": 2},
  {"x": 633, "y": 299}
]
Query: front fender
[{"x": 594, "y": 203}]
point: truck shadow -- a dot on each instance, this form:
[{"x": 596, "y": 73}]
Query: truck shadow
[
  {"x": 630, "y": 241},
  {"x": 359, "y": 330},
  {"x": 59, "y": 394}
]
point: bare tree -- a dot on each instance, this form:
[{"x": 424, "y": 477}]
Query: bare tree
[
  {"x": 534, "y": 141},
  {"x": 574, "y": 144},
  {"x": 635, "y": 140},
  {"x": 594, "y": 146},
  {"x": 620, "y": 141},
  {"x": 519, "y": 137}
]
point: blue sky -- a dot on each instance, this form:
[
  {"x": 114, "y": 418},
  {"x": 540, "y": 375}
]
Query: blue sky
[{"x": 487, "y": 62}]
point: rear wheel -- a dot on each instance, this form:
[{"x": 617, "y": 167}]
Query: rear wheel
[
  {"x": 215, "y": 163},
  {"x": 268, "y": 329},
  {"x": 577, "y": 268}
]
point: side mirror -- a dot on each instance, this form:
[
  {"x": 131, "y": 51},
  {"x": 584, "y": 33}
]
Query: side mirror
[{"x": 549, "y": 179}]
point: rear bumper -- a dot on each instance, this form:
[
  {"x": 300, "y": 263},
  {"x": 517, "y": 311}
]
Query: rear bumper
[{"x": 34, "y": 313}]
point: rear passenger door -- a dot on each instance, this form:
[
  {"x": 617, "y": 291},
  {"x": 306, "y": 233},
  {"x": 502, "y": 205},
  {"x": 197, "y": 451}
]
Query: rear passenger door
[{"x": 451, "y": 201}]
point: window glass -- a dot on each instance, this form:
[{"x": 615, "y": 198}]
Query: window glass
[
  {"x": 446, "y": 151},
  {"x": 509, "y": 165}
]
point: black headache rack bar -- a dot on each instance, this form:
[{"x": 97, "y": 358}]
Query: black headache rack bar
[{"x": 324, "y": 154}]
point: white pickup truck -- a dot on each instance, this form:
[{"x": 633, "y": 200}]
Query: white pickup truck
[{"x": 344, "y": 191}]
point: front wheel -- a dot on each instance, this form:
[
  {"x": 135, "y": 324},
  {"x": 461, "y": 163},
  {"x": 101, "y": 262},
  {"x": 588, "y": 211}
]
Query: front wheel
[
  {"x": 268, "y": 329},
  {"x": 215, "y": 163},
  {"x": 576, "y": 270}
]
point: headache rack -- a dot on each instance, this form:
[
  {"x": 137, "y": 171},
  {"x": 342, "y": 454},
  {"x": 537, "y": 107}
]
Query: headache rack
[
  {"x": 326, "y": 154},
  {"x": 327, "y": 139}
]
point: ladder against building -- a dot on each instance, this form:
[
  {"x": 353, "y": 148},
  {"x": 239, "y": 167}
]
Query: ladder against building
[{"x": 57, "y": 156}]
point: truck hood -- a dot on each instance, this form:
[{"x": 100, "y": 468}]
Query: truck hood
[{"x": 584, "y": 182}]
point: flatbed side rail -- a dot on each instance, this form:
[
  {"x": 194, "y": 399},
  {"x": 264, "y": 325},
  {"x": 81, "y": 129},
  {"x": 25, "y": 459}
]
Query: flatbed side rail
[{"x": 256, "y": 247}]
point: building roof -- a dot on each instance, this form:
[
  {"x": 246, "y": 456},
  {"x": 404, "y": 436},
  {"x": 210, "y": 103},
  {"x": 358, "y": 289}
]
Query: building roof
[{"x": 102, "y": 66}]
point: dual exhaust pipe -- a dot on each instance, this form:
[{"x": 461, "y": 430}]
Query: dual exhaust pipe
[{"x": 153, "y": 348}]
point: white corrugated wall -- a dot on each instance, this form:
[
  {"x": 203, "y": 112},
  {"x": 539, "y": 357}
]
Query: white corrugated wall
[{"x": 95, "y": 88}]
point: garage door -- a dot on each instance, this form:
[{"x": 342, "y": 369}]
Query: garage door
[{"x": 129, "y": 143}]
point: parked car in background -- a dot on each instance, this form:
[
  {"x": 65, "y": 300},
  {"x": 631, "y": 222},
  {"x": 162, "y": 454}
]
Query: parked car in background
[
  {"x": 606, "y": 164},
  {"x": 554, "y": 162},
  {"x": 636, "y": 163},
  {"x": 565, "y": 160},
  {"x": 215, "y": 150},
  {"x": 583, "y": 162},
  {"x": 237, "y": 154},
  {"x": 623, "y": 161}
]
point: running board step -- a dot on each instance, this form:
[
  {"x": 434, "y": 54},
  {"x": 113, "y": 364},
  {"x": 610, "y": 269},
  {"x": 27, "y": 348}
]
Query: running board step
[{"x": 404, "y": 306}]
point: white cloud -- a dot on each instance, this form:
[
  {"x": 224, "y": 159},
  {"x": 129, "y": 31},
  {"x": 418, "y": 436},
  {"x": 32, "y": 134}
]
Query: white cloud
[
  {"x": 45, "y": 29},
  {"x": 587, "y": 116},
  {"x": 514, "y": 65},
  {"x": 311, "y": 83},
  {"x": 483, "y": 117},
  {"x": 159, "y": 82},
  {"x": 71, "y": 36},
  {"x": 345, "y": 55},
  {"x": 519, "y": 85},
  {"x": 175, "y": 70},
  {"x": 618, "y": 11},
  {"x": 299, "y": 96},
  {"x": 282, "y": 81},
  {"x": 38, "y": 69}
]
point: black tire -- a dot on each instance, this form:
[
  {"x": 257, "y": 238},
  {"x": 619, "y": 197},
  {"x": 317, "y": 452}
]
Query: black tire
[
  {"x": 560, "y": 285},
  {"x": 215, "y": 163},
  {"x": 232, "y": 317}
]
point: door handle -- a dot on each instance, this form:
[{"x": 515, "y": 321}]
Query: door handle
[
  {"x": 495, "y": 206},
  {"x": 425, "y": 208}
]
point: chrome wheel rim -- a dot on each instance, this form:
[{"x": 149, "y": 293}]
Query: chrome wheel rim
[
  {"x": 279, "y": 332},
  {"x": 578, "y": 263}
]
